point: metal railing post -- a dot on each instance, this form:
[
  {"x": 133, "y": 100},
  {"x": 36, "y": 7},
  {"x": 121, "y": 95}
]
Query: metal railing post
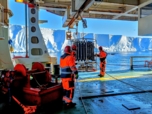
[{"x": 131, "y": 63}]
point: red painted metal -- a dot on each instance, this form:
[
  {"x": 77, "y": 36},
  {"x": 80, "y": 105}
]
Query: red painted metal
[
  {"x": 38, "y": 66},
  {"x": 44, "y": 92},
  {"x": 27, "y": 109},
  {"x": 37, "y": 96},
  {"x": 30, "y": 5},
  {"x": 20, "y": 68}
]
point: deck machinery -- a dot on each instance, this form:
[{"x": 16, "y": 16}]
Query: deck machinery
[
  {"x": 85, "y": 52},
  {"x": 34, "y": 88}
]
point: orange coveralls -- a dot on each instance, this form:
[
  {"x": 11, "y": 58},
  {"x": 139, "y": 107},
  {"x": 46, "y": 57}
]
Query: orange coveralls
[
  {"x": 68, "y": 69},
  {"x": 102, "y": 55}
]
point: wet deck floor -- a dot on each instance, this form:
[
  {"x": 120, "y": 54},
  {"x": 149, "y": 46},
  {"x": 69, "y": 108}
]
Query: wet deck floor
[
  {"x": 122, "y": 92},
  {"x": 128, "y": 92}
]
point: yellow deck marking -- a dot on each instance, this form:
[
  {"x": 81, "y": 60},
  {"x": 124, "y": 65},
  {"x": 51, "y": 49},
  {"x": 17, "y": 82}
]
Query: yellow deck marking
[{"x": 107, "y": 78}]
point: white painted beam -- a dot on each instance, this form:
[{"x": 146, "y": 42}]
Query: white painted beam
[
  {"x": 56, "y": 9},
  {"x": 108, "y": 13},
  {"x": 122, "y": 14}
]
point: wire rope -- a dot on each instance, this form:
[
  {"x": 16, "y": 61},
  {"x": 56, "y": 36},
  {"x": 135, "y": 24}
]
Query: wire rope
[{"x": 125, "y": 82}]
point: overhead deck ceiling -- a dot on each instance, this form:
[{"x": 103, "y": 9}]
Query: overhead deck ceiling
[{"x": 102, "y": 9}]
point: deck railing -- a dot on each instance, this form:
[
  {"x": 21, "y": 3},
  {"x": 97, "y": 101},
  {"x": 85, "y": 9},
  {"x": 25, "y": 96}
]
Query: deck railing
[{"x": 140, "y": 61}]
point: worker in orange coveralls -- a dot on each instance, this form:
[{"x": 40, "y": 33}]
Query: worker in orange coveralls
[
  {"x": 102, "y": 55},
  {"x": 68, "y": 74}
]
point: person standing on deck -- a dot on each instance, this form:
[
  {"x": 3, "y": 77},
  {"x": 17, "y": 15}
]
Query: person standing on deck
[
  {"x": 102, "y": 55},
  {"x": 68, "y": 74}
]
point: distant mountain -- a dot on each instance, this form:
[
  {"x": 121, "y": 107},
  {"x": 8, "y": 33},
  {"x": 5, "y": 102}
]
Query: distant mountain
[{"x": 55, "y": 40}]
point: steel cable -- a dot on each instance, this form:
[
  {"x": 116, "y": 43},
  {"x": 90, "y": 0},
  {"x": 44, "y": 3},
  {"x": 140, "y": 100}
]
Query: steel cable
[{"x": 125, "y": 82}]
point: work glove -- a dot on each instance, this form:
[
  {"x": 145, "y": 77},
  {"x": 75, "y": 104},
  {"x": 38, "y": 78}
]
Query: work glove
[{"x": 76, "y": 76}]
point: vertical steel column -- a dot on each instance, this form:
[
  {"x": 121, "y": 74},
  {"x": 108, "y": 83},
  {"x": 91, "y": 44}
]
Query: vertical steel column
[
  {"x": 131, "y": 63},
  {"x": 26, "y": 28}
]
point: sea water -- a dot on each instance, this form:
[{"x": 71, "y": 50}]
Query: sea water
[
  {"x": 121, "y": 61},
  {"x": 116, "y": 61}
]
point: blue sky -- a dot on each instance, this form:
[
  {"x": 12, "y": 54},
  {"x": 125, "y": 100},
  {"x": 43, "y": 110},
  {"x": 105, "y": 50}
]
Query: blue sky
[{"x": 98, "y": 26}]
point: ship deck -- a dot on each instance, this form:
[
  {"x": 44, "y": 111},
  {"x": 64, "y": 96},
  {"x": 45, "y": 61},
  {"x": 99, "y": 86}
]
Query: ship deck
[{"x": 121, "y": 92}]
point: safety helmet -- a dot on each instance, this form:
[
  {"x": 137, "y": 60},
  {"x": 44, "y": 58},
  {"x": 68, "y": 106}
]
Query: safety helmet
[
  {"x": 74, "y": 47},
  {"x": 100, "y": 47},
  {"x": 67, "y": 49}
]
